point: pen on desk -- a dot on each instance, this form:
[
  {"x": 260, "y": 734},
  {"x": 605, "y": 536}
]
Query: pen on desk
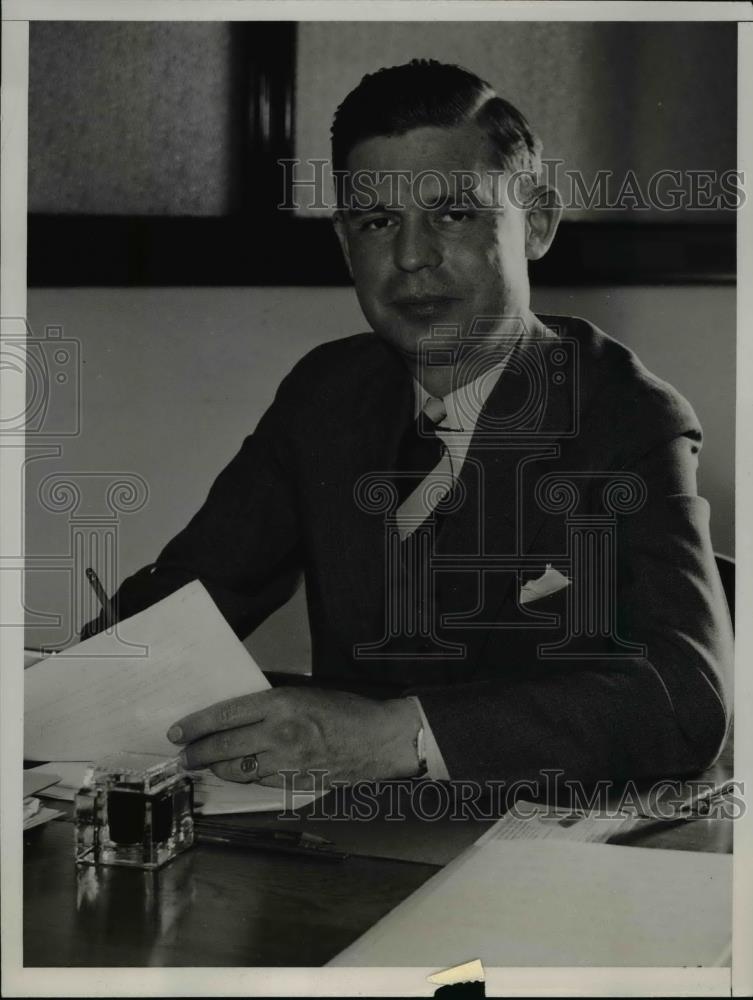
[
  {"x": 101, "y": 593},
  {"x": 696, "y": 807},
  {"x": 294, "y": 837},
  {"x": 279, "y": 841}
]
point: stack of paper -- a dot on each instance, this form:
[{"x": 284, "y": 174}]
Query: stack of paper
[
  {"x": 212, "y": 795},
  {"x": 34, "y": 812},
  {"x": 68, "y": 779}
]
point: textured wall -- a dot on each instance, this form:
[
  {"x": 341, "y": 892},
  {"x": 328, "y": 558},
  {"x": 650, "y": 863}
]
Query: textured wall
[
  {"x": 172, "y": 379},
  {"x": 130, "y": 119},
  {"x": 613, "y": 96}
]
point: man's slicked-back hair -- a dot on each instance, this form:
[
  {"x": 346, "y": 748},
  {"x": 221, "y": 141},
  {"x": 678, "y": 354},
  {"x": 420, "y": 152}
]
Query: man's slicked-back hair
[{"x": 425, "y": 92}]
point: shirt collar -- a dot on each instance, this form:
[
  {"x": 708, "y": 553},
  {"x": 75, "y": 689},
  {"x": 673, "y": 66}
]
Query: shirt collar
[{"x": 464, "y": 404}]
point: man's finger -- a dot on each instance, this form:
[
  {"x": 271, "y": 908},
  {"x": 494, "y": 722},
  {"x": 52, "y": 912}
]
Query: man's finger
[
  {"x": 228, "y": 714},
  {"x": 268, "y": 771},
  {"x": 278, "y": 768},
  {"x": 228, "y": 744},
  {"x": 243, "y": 769}
]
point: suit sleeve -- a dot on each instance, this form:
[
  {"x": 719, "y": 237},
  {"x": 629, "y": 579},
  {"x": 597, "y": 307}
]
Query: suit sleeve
[
  {"x": 243, "y": 544},
  {"x": 658, "y": 714}
]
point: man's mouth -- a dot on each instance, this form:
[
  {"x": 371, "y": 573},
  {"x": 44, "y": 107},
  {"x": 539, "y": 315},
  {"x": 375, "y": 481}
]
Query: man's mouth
[{"x": 424, "y": 305}]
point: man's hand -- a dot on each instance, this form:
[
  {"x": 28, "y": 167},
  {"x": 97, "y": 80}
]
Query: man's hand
[{"x": 254, "y": 737}]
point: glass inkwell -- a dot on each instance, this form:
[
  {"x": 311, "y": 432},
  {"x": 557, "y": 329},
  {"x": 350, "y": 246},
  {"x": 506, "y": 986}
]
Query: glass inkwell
[{"x": 134, "y": 810}]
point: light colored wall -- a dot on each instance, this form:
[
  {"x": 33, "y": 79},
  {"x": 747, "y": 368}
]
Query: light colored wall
[{"x": 172, "y": 379}]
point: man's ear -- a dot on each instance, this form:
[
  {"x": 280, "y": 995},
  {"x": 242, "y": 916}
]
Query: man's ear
[
  {"x": 543, "y": 215},
  {"x": 338, "y": 221}
]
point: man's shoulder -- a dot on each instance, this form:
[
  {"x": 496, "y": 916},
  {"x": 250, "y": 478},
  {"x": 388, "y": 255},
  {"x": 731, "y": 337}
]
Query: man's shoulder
[
  {"x": 613, "y": 378},
  {"x": 339, "y": 371},
  {"x": 602, "y": 357},
  {"x": 334, "y": 357}
]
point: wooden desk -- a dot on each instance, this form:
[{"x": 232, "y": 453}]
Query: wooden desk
[
  {"x": 218, "y": 906},
  {"x": 211, "y": 907}
]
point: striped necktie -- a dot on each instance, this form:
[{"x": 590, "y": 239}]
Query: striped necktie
[{"x": 420, "y": 449}]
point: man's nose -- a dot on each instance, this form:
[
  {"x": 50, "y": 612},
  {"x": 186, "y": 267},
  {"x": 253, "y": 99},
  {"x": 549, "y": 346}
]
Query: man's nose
[{"x": 416, "y": 246}]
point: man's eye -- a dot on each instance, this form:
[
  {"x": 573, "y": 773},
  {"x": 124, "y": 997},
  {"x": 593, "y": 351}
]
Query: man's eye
[
  {"x": 380, "y": 222},
  {"x": 456, "y": 215}
]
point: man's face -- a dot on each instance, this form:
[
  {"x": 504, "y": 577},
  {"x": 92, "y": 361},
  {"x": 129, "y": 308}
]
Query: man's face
[{"x": 420, "y": 258}]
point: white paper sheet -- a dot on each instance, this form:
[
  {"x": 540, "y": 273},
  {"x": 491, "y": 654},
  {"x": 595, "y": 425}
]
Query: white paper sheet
[
  {"x": 32, "y": 656},
  {"x": 557, "y": 903},
  {"x": 70, "y": 777},
  {"x": 38, "y": 777},
  {"x": 218, "y": 797},
  {"x": 92, "y": 699},
  {"x": 35, "y": 814}
]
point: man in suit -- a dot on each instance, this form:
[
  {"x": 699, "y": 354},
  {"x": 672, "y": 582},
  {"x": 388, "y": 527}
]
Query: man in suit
[{"x": 508, "y": 568}]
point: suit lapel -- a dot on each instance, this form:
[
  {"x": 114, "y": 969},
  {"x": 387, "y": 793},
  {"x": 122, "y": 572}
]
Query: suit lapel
[
  {"x": 367, "y": 456},
  {"x": 521, "y": 433},
  {"x": 525, "y": 416},
  {"x": 528, "y": 418}
]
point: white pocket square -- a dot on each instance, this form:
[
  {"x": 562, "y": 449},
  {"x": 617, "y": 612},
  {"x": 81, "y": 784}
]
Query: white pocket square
[{"x": 550, "y": 581}]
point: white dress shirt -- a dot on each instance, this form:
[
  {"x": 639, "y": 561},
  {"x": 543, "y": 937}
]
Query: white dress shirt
[{"x": 462, "y": 407}]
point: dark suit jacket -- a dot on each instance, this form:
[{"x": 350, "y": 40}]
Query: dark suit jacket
[{"x": 645, "y": 697}]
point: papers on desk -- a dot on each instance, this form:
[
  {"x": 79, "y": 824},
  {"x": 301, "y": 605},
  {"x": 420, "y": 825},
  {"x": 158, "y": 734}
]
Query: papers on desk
[
  {"x": 35, "y": 814},
  {"x": 69, "y": 779},
  {"x": 32, "y": 656},
  {"x": 558, "y": 903},
  {"x": 105, "y": 696},
  {"x": 212, "y": 795},
  {"x": 532, "y": 821},
  {"x": 38, "y": 778},
  {"x": 217, "y": 797}
]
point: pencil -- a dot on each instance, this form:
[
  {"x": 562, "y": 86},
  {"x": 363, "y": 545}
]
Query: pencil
[{"x": 101, "y": 593}]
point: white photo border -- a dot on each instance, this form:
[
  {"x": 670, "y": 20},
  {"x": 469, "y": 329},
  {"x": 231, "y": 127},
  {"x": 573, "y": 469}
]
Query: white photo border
[{"x": 17, "y": 981}]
